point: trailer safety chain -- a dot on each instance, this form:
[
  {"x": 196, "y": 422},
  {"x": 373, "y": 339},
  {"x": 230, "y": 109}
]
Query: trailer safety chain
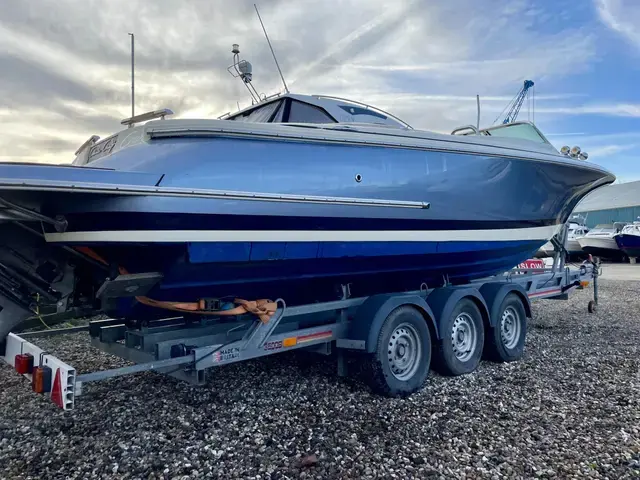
[{"x": 264, "y": 309}]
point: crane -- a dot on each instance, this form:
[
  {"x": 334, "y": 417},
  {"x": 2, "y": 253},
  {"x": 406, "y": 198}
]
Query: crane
[{"x": 515, "y": 104}]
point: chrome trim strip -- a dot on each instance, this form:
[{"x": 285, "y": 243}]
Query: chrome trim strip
[{"x": 79, "y": 187}]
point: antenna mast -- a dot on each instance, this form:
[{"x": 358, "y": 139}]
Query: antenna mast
[
  {"x": 272, "y": 52},
  {"x": 132, "y": 81}
]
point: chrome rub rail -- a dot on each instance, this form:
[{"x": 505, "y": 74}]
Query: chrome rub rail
[{"x": 79, "y": 187}]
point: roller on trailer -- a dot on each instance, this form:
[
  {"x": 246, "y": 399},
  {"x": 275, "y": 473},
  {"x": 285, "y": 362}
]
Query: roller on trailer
[{"x": 399, "y": 336}]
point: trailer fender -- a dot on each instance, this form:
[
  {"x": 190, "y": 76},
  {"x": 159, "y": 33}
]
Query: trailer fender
[
  {"x": 443, "y": 300},
  {"x": 374, "y": 311},
  {"x": 494, "y": 294}
]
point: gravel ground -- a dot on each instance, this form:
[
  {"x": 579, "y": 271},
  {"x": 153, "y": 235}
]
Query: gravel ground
[{"x": 569, "y": 409}]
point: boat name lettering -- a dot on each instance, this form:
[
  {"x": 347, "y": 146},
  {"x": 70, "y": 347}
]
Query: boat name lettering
[
  {"x": 277, "y": 345},
  {"x": 104, "y": 147}
]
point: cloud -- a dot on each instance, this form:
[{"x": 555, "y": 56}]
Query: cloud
[
  {"x": 65, "y": 65},
  {"x": 608, "y": 150},
  {"x": 613, "y": 109},
  {"x": 622, "y": 17}
]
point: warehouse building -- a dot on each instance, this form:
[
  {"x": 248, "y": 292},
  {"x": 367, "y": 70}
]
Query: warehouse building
[{"x": 613, "y": 203}]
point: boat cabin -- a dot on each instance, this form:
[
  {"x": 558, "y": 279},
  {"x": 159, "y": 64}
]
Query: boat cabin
[
  {"x": 318, "y": 109},
  {"x": 632, "y": 228},
  {"x": 576, "y": 231}
]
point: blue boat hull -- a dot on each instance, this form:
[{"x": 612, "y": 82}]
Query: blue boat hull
[
  {"x": 629, "y": 244},
  {"x": 487, "y": 214},
  {"x": 202, "y": 270}
]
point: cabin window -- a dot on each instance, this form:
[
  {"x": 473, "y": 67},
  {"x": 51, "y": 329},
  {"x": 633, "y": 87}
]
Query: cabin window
[
  {"x": 277, "y": 118},
  {"x": 304, "y": 113},
  {"x": 259, "y": 114}
]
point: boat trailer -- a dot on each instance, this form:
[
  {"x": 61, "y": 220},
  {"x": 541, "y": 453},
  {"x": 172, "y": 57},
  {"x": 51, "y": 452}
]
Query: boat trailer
[{"x": 397, "y": 334}]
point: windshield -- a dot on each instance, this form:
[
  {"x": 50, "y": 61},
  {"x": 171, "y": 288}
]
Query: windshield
[
  {"x": 603, "y": 229},
  {"x": 525, "y": 131}
]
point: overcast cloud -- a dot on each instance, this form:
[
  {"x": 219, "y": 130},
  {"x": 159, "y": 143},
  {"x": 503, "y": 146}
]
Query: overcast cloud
[{"x": 65, "y": 65}]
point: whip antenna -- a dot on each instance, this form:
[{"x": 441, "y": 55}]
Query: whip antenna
[{"x": 272, "y": 52}]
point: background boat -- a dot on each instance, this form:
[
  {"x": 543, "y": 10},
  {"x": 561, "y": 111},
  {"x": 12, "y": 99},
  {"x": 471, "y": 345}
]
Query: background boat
[
  {"x": 577, "y": 229},
  {"x": 601, "y": 242},
  {"x": 628, "y": 240}
]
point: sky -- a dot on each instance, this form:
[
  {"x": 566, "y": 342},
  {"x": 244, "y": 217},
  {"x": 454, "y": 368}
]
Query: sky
[{"x": 65, "y": 65}]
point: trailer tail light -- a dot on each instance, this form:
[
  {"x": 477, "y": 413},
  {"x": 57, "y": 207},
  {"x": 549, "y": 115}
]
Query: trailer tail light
[
  {"x": 41, "y": 380},
  {"x": 24, "y": 363},
  {"x": 584, "y": 283}
]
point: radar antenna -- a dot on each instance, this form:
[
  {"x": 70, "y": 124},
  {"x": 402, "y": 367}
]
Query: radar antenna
[{"x": 243, "y": 70}]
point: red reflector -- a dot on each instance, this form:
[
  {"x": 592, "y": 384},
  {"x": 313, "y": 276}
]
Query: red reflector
[
  {"x": 56, "y": 391},
  {"x": 24, "y": 363},
  {"x": 41, "y": 380}
]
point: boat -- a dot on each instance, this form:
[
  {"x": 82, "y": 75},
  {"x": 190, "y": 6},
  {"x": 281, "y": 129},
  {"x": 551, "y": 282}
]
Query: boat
[
  {"x": 628, "y": 239},
  {"x": 601, "y": 241},
  {"x": 577, "y": 229},
  {"x": 293, "y": 197}
]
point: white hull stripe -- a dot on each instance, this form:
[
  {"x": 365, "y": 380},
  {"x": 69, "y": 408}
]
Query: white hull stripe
[{"x": 181, "y": 236}]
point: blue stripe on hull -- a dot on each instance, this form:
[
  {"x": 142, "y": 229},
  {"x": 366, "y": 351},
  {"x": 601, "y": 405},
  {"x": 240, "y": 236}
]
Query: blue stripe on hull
[
  {"x": 311, "y": 279},
  {"x": 278, "y": 220},
  {"x": 259, "y": 251}
]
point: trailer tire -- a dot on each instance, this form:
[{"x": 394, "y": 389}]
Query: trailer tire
[
  {"x": 505, "y": 341},
  {"x": 400, "y": 364},
  {"x": 464, "y": 328}
]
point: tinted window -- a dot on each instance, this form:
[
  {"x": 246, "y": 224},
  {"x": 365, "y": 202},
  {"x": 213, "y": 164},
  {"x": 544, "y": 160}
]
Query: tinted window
[
  {"x": 259, "y": 114},
  {"x": 279, "y": 114},
  {"x": 305, "y": 113},
  {"x": 355, "y": 110}
]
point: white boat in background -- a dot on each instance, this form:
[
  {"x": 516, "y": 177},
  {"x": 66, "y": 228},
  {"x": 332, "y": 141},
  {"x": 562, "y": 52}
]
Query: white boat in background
[
  {"x": 577, "y": 229},
  {"x": 601, "y": 241}
]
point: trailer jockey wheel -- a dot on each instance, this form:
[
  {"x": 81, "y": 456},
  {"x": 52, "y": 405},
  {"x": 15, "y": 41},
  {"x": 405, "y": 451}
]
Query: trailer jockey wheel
[
  {"x": 460, "y": 349},
  {"x": 592, "y": 307},
  {"x": 505, "y": 341},
  {"x": 400, "y": 364}
]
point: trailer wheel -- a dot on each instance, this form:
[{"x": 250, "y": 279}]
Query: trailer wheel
[
  {"x": 400, "y": 364},
  {"x": 505, "y": 341},
  {"x": 592, "y": 306},
  {"x": 462, "y": 340}
]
